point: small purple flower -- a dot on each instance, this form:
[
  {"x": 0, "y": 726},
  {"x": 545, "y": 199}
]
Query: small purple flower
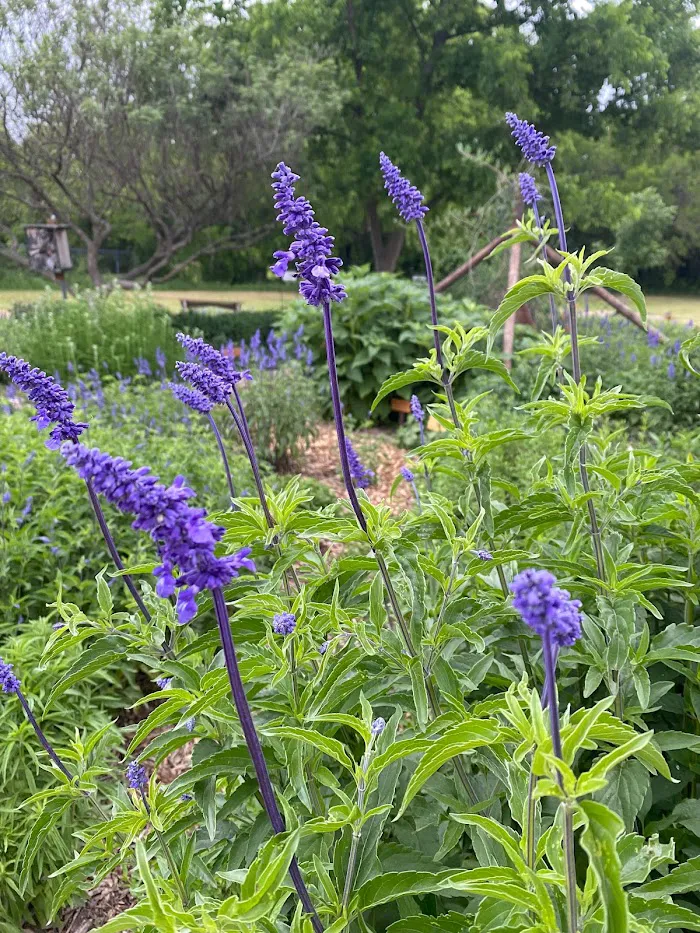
[
  {"x": 483, "y": 554},
  {"x": 407, "y": 475},
  {"x": 190, "y": 724},
  {"x": 361, "y": 476},
  {"x": 546, "y": 608},
  {"x": 309, "y": 358},
  {"x": 653, "y": 359},
  {"x": 284, "y": 623},
  {"x": 143, "y": 367},
  {"x": 405, "y": 196},
  {"x": 671, "y": 370},
  {"x": 193, "y": 398},
  {"x": 185, "y": 798},
  {"x": 136, "y": 776},
  {"x": 417, "y": 410},
  {"x": 164, "y": 682},
  {"x": 53, "y": 406},
  {"x": 323, "y": 647},
  {"x": 6, "y": 496},
  {"x": 161, "y": 358},
  {"x": 528, "y": 189},
  {"x": 534, "y": 145},
  {"x": 311, "y": 249},
  {"x": 677, "y": 347},
  {"x": 212, "y": 359},
  {"x": 378, "y": 726},
  {"x": 8, "y": 680},
  {"x": 653, "y": 338},
  {"x": 58, "y": 625},
  {"x": 184, "y": 538}
]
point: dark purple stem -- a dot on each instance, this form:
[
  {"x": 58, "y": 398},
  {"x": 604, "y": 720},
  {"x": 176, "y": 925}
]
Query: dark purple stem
[
  {"x": 222, "y": 451},
  {"x": 114, "y": 553},
  {"x": 256, "y": 753},
  {"x": 552, "y": 306},
  {"x": 576, "y": 371},
  {"x": 40, "y": 735},
  {"x": 433, "y": 315},
  {"x": 242, "y": 427}
]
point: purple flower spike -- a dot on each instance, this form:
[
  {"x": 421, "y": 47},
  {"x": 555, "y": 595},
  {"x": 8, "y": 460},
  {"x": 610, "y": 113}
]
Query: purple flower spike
[
  {"x": 535, "y": 145},
  {"x": 311, "y": 249},
  {"x": 528, "y": 189},
  {"x": 212, "y": 359},
  {"x": 407, "y": 475},
  {"x": 184, "y": 538},
  {"x": 136, "y": 776},
  {"x": 164, "y": 682},
  {"x": 206, "y": 382},
  {"x": 8, "y": 680},
  {"x": 361, "y": 476},
  {"x": 483, "y": 554},
  {"x": 193, "y": 398},
  {"x": 547, "y": 609},
  {"x": 671, "y": 370},
  {"x": 53, "y": 406},
  {"x": 417, "y": 410},
  {"x": 406, "y": 197},
  {"x": 190, "y": 724},
  {"x": 284, "y": 623}
]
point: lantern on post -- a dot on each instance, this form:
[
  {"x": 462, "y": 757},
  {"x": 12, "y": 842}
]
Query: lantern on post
[{"x": 49, "y": 251}]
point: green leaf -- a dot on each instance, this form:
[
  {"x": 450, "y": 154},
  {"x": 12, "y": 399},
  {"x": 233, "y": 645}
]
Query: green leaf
[
  {"x": 599, "y": 839},
  {"x": 522, "y": 292},
  {"x": 664, "y": 916},
  {"x": 104, "y": 652},
  {"x": 610, "y": 278},
  {"x": 683, "y": 879},
  {"x": 420, "y": 695},
  {"x": 463, "y": 738},
  {"x": 323, "y": 743},
  {"x": 397, "y": 381}
]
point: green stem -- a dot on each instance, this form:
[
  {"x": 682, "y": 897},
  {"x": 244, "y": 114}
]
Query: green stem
[
  {"x": 166, "y": 852},
  {"x": 531, "y": 813}
]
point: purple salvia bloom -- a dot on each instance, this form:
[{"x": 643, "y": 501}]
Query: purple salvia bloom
[
  {"x": 547, "y": 609},
  {"x": 53, "y": 406},
  {"x": 164, "y": 682},
  {"x": 378, "y": 726},
  {"x": 193, "y": 398},
  {"x": 534, "y": 145},
  {"x": 161, "y": 358},
  {"x": 653, "y": 338},
  {"x": 184, "y": 538},
  {"x": 311, "y": 249},
  {"x": 407, "y": 475},
  {"x": 6, "y": 496},
  {"x": 190, "y": 724},
  {"x": 361, "y": 476},
  {"x": 143, "y": 367},
  {"x": 208, "y": 383},
  {"x": 483, "y": 554},
  {"x": 406, "y": 197},
  {"x": 284, "y": 623},
  {"x": 136, "y": 776},
  {"x": 528, "y": 189},
  {"x": 8, "y": 680},
  {"x": 417, "y": 410},
  {"x": 671, "y": 370},
  {"x": 309, "y": 358},
  {"x": 677, "y": 347},
  {"x": 323, "y": 647},
  {"x": 214, "y": 360},
  {"x": 185, "y": 798}
]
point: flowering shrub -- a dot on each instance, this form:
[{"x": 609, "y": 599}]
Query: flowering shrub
[{"x": 477, "y": 715}]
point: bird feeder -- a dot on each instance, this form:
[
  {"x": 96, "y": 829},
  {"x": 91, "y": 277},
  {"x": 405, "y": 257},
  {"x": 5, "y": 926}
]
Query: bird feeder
[{"x": 48, "y": 250}]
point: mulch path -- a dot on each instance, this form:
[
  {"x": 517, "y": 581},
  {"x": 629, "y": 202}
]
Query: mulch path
[{"x": 377, "y": 451}]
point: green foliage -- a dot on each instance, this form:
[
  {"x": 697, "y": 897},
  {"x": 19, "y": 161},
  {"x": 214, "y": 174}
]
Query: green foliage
[
  {"x": 283, "y": 411},
  {"x": 102, "y": 330},
  {"x": 219, "y": 327},
  {"x": 641, "y": 237},
  {"x": 38, "y": 834},
  {"x": 380, "y": 328}
]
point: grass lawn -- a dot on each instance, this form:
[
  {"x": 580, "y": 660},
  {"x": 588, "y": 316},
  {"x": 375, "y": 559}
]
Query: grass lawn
[
  {"x": 678, "y": 308},
  {"x": 252, "y": 299}
]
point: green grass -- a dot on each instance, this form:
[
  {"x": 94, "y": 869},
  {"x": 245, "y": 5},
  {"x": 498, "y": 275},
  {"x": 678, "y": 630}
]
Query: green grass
[
  {"x": 255, "y": 299},
  {"x": 677, "y": 308}
]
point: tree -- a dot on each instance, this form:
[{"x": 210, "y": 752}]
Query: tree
[{"x": 104, "y": 115}]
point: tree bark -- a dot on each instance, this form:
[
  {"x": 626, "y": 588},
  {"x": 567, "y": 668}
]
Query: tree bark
[
  {"x": 91, "y": 258},
  {"x": 386, "y": 252},
  {"x": 470, "y": 264}
]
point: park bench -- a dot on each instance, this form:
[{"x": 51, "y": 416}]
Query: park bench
[{"x": 188, "y": 304}]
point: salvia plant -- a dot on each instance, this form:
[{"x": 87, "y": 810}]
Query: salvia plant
[{"x": 476, "y": 716}]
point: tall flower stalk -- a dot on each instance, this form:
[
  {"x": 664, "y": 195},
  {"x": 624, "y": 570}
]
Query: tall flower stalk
[
  {"x": 54, "y": 408},
  {"x": 198, "y": 401},
  {"x": 310, "y": 251},
  {"x": 186, "y": 541},
  {"x": 531, "y": 195},
  {"x": 536, "y": 149},
  {"x": 556, "y": 618}
]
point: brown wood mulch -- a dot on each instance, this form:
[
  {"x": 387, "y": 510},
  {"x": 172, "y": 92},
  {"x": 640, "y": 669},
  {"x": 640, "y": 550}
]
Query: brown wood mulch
[{"x": 378, "y": 452}]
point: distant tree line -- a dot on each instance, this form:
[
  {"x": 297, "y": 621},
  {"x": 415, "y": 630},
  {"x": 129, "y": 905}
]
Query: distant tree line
[{"x": 155, "y": 127}]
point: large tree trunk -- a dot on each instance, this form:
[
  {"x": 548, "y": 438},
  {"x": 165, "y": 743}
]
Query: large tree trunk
[
  {"x": 386, "y": 251},
  {"x": 91, "y": 257}
]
